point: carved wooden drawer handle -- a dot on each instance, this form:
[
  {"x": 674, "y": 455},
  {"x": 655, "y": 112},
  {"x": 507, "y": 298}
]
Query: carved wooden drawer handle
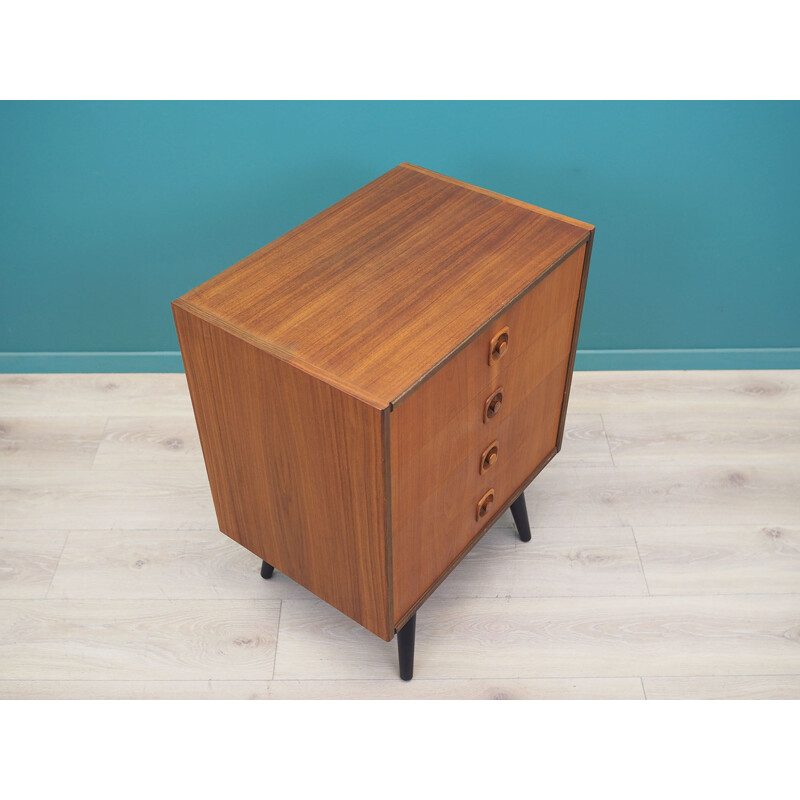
[
  {"x": 488, "y": 457},
  {"x": 483, "y": 505},
  {"x": 498, "y": 347},
  {"x": 493, "y": 404}
]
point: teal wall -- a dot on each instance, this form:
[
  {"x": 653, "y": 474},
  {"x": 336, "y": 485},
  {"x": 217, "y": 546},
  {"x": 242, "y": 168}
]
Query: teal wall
[{"x": 111, "y": 210}]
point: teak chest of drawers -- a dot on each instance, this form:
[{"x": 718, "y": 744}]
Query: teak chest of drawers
[{"x": 374, "y": 388}]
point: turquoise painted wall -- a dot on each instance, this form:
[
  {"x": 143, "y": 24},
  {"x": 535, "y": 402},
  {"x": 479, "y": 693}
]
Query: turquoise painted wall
[{"x": 111, "y": 210}]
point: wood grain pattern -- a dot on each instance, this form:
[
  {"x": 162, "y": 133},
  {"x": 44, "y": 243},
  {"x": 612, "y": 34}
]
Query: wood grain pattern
[
  {"x": 303, "y": 622},
  {"x": 729, "y": 687},
  {"x": 489, "y": 193},
  {"x": 149, "y": 442},
  {"x": 296, "y": 469},
  {"x": 611, "y": 636},
  {"x": 532, "y": 689},
  {"x": 667, "y": 495},
  {"x": 404, "y": 271},
  {"x": 105, "y": 500},
  {"x": 737, "y": 559},
  {"x": 546, "y": 637},
  {"x": 161, "y": 564},
  {"x": 488, "y": 569},
  {"x": 576, "y": 325},
  {"x": 466, "y": 378},
  {"x": 756, "y": 437},
  {"x": 415, "y": 439},
  {"x": 706, "y": 391},
  {"x": 149, "y": 639},
  {"x": 592, "y": 562},
  {"x": 28, "y": 562},
  {"x": 34, "y": 443},
  {"x": 76, "y": 395},
  {"x": 440, "y": 430},
  {"x": 585, "y": 442},
  {"x": 432, "y": 527}
]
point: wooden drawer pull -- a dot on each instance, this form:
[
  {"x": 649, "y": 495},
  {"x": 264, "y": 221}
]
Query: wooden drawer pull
[
  {"x": 498, "y": 347},
  {"x": 488, "y": 457},
  {"x": 493, "y": 404},
  {"x": 484, "y": 503}
]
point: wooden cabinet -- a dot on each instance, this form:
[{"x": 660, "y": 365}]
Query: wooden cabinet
[{"x": 374, "y": 388}]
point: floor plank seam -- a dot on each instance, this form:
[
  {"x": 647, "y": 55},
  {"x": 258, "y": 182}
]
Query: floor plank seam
[
  {"x": 641, "y": 563},
  {"x": 390, "y": 680},
  {"x": 99, "y": 444},
  {"x": 644, "y": 691},
  {"x": 53, "y": 576},
  {"x": 277, "y": 638},
  {"x": 608, "y": 441}
]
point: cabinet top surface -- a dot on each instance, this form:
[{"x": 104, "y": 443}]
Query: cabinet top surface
[{"x": 376, "y": 291}]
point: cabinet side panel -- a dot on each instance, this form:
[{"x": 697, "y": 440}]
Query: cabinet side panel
[
  {"x": 587, "y": 251},
  {"x": 296, "y": 467}
]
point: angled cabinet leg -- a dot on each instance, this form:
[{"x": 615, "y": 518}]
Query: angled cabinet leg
[
  {"x": 405, "y": 648},
  {"x": 520, "y": 513},
  {"x": 266, "y": 570}
]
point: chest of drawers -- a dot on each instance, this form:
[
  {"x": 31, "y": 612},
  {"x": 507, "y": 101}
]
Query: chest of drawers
[{"x": 374, "y": 388}]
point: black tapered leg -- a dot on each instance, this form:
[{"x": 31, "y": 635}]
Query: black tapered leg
[
  {"x": 520, "y": 513},
  {"x": 266, "y": 570},
  {"x": 405, "y": 648}
]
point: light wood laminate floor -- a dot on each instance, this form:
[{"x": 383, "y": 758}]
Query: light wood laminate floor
[{"x": 665, "y": 560}]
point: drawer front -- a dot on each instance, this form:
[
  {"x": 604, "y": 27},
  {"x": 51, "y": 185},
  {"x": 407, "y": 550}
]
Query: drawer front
[
  {"x": 442, "y": 434},
  {"x": 466, "y": 377}
]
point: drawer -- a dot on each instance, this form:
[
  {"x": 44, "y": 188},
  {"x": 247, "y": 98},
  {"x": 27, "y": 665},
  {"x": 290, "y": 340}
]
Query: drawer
[
  {"x": 466, "y": 376},
  {"x": 438, "y": 435},
  {"x": 466, "y": 435},
  {"x": 434, "y": 528}
]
